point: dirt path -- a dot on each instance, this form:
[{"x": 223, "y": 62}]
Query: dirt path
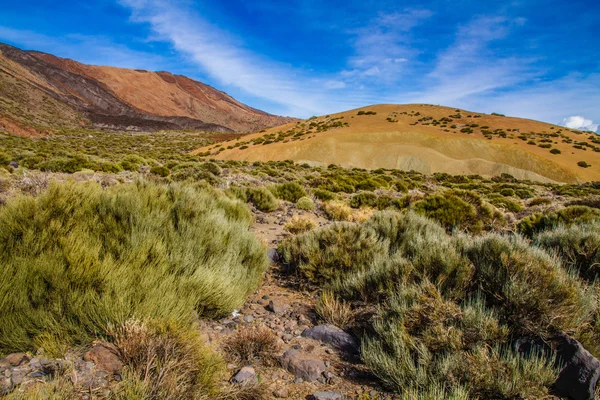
[{"x": 293, "y": 314}]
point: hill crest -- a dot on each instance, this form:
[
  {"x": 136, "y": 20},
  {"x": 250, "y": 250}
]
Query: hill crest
[{"x": 427, "y": 139}]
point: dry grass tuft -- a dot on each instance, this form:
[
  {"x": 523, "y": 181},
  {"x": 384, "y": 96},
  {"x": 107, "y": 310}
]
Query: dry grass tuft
[
  {"x": 300, "y": 225},
  {"x": 166, "y": 361},
  {"x": 252, "y": 345},
  {"x": 333, "y": 310}
]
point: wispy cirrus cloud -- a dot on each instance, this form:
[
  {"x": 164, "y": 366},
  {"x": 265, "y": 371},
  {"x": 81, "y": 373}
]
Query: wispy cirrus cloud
[
  {"x": 469, "y": 67},
  {"x": 225, "y": 59},
  {"x": 384, "y": 46}
]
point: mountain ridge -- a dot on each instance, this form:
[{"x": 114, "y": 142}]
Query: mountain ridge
[{"x": 36, "y": 83}]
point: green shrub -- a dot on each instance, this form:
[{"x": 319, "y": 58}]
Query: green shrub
[
  {"x": 324, "y": 195},
  {"x": 160, "y": 171},
  {"x": 326, "y": 253},
  {"x": 78, "y": 258},
  {"x": 305, "y": 203},
  {"x": 530, "y": 289},
  {"x": 540, "y": 201},
  {"x": 449, "y": 210},
  {"x": 427, "y": 246},
  {"x": 506, "y": 203},
  {"x": 363, "y": 199},
  {"x": 4, "y": 158},
  {"x": 65, "y": 164},
  {"x": 262, "y": 199},
  {"x": 110, "y": 167},
  {"x": 583, "y": 164},
  {"x": 569, "y": 215},
  {"x": 578, "y": 246},
  {"x": 132, "y": 163},
  {"x": 422, "y": 341},
  {"x": 289, "y": 191},
  {"x": 507, "y": 192}
]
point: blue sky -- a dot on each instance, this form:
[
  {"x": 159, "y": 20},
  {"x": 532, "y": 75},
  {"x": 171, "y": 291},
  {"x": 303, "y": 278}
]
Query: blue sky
[{"x": 533, "y": 59}]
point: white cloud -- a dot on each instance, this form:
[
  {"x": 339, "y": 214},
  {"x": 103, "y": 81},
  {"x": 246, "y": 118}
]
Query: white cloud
[
  {"x": 580, "y": 123},
  {"x": 335, "y": 85},
  {"x": 225, "y": 59},
  {"x": 382, "y": 47},
  {"x": 468, "y": 68}
]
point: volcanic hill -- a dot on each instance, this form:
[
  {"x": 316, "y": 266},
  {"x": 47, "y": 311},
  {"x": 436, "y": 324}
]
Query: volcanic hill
[
  {"x": 427, "y": 139},
  {"x": 40, "y": 92}
]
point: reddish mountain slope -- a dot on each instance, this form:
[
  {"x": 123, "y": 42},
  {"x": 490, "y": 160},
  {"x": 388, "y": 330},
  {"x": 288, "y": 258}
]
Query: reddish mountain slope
[{"x": 39, "y": 92}]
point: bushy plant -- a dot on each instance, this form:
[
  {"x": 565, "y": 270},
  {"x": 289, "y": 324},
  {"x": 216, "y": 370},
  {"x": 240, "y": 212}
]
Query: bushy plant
[
  {"x": 363, "y": 199},
  {"x": 289, "y": 191},
  {"x": 165, "y": 360},
  {"x": 251, "y": 345},
  {"x": 262, "y": 199},
  {"x": 333, "y": 311},
  {"x": 305, "y": 203},
  {"x": 578, "y": 246},
  {"x": 324, "y": 195},
  {"x": 79, "y": 257},
  {"x": 449, "y": 210},
  {"x": 326, "y": 253},
  {"x": 160, "y": 170},
  {"x": 300, "y": 225},
  {"x": 529, "y": 287},
  {"x": 569, "y": 215},
  {"x": 337, "y": 210}
]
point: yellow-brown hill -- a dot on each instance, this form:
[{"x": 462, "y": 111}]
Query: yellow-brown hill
[{"x": 427, "y": 139}]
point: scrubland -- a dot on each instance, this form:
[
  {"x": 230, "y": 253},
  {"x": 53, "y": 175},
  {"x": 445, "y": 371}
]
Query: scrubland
[{"x": 439, "y": 276}]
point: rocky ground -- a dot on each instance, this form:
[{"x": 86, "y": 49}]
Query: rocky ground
[{"x": 317, "y": 360}]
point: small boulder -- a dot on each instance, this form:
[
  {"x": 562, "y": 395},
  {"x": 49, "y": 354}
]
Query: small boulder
[
  {"x": 335, "y": 337},
  {"x": 282, "y": 393},
  {"x": 302, "y": 365},
  {"x": 580, "y": 372},
  {"x": 277, "y": 307},
  {"x": 106, "y": 358},
  {"x": 246, "y": 375},
  {"x": 14, "y": 360},
  {"x": 327, "y": 396}
]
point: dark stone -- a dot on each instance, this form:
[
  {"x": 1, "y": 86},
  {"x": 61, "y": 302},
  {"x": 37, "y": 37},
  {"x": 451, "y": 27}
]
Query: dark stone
[
  {"x": 273, "y": 255},
  {"x": 335, "y": 337},
  {"x": 580, "y": 372},
  {"x": 14, "y": 164}
]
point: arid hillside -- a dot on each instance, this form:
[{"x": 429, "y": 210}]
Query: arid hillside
[
  {"x": 427, "y": 139},
  {"x": 40, "y": 92}
]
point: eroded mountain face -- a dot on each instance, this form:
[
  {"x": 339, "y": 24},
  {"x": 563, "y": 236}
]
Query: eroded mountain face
[{"x": 39, "y": 92}]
